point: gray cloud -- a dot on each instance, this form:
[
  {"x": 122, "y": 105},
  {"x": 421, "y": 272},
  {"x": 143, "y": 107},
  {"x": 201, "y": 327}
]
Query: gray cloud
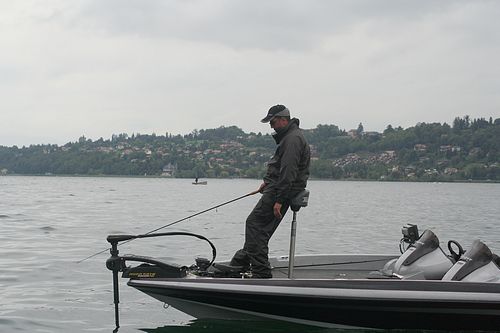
[
  {"x": 295, "y": 24},
  {"x": 97, "y": 67}
]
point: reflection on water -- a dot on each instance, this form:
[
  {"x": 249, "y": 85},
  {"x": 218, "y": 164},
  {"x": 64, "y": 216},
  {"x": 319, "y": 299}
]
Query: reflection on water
[
  {"x": 48, "y": 224},
  {"x": 266, "y": 326},
  {"x": 236, "y": 326}
]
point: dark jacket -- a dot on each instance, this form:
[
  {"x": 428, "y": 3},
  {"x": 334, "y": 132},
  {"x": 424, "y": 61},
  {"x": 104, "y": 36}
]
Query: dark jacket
[{"x": 288, "y": 169}]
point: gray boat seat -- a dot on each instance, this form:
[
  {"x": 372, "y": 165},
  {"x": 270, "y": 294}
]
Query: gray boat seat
[{"x": 300, "y": 200}]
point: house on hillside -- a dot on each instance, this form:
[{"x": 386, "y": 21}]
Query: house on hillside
[
  {"x": 169, "y": 170},
  {"x": 352, "y": 133},
  {"x": 445, "y": 148},
  {"x": 450, "y": 171},
  {"x": 420, "y": 147},
  {"x": 372, "y": 134}
]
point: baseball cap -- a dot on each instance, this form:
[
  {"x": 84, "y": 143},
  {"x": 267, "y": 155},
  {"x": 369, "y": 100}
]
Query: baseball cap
[{"x": 276, "y": 111}]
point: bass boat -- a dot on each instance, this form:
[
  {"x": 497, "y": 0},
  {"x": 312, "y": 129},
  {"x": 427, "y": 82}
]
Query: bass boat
[{"x": 422, "y": 288}]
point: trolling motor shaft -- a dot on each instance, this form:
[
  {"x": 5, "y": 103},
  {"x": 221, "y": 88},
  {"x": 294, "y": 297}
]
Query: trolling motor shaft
[{"x": 115, "y": 264}]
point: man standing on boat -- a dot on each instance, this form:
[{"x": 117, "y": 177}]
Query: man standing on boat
[{"x": 287, "y": 174}]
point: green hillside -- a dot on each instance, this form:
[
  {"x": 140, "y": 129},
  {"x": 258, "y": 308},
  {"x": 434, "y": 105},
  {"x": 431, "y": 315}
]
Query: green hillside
[{"x": 469, "y": 149}]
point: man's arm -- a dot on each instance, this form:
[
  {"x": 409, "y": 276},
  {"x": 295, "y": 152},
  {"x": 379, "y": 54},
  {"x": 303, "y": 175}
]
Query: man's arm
[
  {"x": 289, "y": 167},
  {"x": 290, "y": 160}
]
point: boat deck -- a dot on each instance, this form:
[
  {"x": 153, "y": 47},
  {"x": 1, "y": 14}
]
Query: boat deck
[{"x": 353, "y": 266}]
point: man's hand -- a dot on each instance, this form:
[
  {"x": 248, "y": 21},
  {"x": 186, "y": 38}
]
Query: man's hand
[
  {"x": 259, "y": 190},
  {"x": 277, "y": 210}
]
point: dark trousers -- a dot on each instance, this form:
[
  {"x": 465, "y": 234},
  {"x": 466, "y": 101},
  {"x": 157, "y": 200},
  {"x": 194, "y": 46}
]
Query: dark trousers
[{"x": 260, "y": 226}]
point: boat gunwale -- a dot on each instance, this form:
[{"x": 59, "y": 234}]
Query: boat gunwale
[{"x": 385, "y": 285}]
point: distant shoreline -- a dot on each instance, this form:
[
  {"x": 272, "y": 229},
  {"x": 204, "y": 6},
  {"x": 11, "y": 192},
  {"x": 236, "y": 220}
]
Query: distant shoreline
[
  {"x": 463, "y": 153},
  {"x": 228, "y": 178}
]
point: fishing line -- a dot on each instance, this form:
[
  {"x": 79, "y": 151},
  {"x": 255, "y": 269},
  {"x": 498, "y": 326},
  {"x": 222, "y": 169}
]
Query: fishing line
[{"x": 178, "y": 221}]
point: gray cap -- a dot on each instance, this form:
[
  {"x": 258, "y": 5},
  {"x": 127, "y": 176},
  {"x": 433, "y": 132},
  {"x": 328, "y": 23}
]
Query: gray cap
[{"x": 276, "y": 111}]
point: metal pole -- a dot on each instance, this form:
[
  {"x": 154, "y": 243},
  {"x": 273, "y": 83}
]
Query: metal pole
[
  {"x": 291, "y": 255},
  {"x": 116, "y": 298},
  {"x": 116, "y": 268}
]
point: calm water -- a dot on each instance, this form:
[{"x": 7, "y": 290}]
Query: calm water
[{"x": 47, "y": 224}]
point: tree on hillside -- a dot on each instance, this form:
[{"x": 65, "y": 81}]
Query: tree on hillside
[{"x": 360, "y": 129}]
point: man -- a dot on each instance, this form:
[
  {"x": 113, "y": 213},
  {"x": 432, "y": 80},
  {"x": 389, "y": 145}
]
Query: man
[{"x": 287, "y": 174}]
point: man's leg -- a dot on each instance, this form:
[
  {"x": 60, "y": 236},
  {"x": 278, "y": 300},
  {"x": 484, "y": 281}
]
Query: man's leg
[
  {"x": 241, "y": 258},
  {"x": 260, "y": 226}
]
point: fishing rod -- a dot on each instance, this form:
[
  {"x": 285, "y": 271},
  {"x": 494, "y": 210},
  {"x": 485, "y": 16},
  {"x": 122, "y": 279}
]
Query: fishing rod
[{"x": 178, "y": 221}]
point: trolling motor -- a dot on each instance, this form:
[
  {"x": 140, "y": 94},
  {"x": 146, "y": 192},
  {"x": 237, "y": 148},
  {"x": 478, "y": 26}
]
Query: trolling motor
[
  {"x": 300, "y": 200},
  {"x": 150, "y": 267},
  {"x": 115, "y": 264}
]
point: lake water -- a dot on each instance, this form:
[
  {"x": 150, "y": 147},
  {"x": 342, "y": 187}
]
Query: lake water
[{"x": 47, "y": 224}]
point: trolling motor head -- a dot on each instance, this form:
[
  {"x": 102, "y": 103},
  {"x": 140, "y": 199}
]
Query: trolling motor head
[{"x": 116, "y": 263}]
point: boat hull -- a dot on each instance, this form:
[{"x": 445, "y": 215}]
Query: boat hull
[{"x": 443, "y": 305}]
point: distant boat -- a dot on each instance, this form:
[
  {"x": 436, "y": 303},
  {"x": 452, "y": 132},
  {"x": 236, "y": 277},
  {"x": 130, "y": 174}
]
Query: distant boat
[{"x": 196, "y": 182}]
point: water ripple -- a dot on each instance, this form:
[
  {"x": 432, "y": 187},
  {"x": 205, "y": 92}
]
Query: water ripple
[{"x": 45, "y": 231}]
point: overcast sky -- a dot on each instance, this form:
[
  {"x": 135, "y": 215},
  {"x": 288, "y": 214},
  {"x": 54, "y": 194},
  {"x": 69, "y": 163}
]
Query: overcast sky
[{"x": 98, "y": 67}]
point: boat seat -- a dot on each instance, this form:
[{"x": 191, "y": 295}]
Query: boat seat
[
  {"x": 496, "y": 260},
  {"x": 300, "y": 200}
]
